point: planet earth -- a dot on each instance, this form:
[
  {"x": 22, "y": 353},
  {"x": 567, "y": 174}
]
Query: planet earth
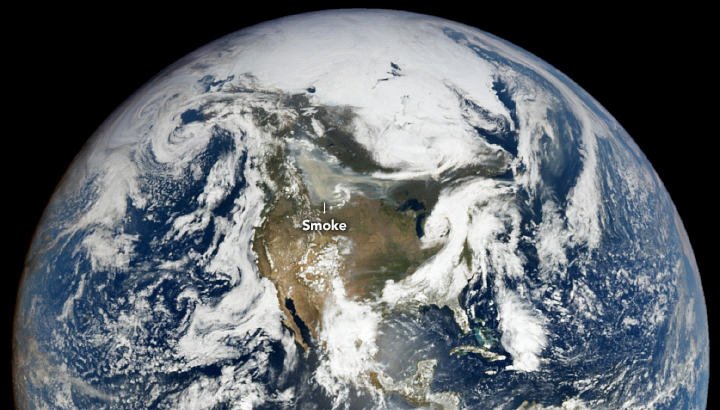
[{"x": 506, "y": 244}]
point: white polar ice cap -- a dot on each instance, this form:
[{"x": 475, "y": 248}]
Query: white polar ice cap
[{"x": 405, "y": 103}]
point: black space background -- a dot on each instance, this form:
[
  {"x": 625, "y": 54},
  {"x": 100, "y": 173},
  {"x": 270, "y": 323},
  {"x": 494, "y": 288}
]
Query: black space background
[{"x": 67, "y": 69}]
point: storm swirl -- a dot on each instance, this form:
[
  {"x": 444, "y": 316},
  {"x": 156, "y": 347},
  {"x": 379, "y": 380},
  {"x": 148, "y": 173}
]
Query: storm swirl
[{"x": 508, "y": 246}]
